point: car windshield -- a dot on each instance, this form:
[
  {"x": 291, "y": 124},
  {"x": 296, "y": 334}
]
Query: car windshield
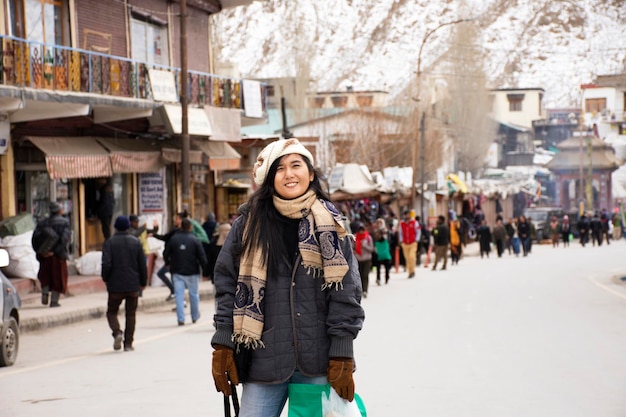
[{"x": 538, "y": 216}]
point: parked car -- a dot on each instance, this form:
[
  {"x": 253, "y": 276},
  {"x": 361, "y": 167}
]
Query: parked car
[
  {"x": 540, "y": 217},
  {"x": 10, "y": 304}
]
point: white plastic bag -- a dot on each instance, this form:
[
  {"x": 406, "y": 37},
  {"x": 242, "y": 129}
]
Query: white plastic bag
[
  {"x": 90, "y": 264},
  {"x": 335, "y": 406}
]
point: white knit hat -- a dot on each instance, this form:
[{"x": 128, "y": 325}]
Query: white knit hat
[{"x": 272, "y": 152}]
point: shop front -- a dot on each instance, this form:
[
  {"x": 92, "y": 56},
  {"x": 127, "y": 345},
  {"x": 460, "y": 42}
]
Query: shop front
[{"x": 94, "y": 179}]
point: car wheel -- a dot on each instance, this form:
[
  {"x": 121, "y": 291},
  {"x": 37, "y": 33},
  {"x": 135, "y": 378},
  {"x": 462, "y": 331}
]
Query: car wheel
[{"x": 9, "y": 343}]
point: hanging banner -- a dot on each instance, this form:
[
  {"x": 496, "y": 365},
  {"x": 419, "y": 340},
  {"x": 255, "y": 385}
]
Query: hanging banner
[{"x": 252, "y": 100}]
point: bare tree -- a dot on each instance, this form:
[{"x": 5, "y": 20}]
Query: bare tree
[{"x": 467, "y": 106}]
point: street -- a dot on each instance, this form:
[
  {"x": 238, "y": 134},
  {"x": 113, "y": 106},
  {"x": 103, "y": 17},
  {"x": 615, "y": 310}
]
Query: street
[{"x": 538, "y": 336}]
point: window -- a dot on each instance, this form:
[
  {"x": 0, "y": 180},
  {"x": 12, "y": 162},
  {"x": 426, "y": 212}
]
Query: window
[
  {"x": 595, "y": 105},
  {"x": 339, "y": 101},
  {"x": 515, "y": 101},
  {"x": 149, "y": 40},
  {"x": 44, "y": 21}
]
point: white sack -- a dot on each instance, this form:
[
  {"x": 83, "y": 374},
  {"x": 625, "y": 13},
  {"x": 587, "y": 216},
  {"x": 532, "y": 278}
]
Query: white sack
[
  {"x": 22, "y": 258},
  {"x": 90, "y": 263}
]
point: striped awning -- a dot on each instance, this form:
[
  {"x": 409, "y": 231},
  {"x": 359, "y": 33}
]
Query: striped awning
[
  {"x": 73, "y": 157},
  {"x": 221, "y": 155},
  {"x": 171, "y": 151},
  {"x": 132, "y": 155}
]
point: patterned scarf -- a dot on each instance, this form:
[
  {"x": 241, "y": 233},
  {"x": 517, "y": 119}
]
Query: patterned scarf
[{"x": 319, "y": 234}]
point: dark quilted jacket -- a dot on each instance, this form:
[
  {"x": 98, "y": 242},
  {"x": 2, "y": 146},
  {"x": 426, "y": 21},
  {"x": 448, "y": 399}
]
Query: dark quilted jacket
[
  {"x": 304, "y": 326},
  {"x": 123, "y": 263}
]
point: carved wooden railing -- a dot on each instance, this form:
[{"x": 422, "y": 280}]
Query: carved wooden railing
[{"x": 54, "y": 67}]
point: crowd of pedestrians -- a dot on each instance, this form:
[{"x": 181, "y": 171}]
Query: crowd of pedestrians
[{"x": 385, "y": 241}]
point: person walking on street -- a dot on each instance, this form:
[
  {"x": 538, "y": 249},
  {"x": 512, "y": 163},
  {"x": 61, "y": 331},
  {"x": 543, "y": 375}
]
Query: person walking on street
[
  {"x": 441, "y": 238},
  {"x": 583, "y": 229},
  {"x": 288, "y": 244},
  {"x": 606, "y": 226},
  {"x": 565, "y": 230},
  {"x": 523, "y": 229},
  {"x": 499, "y": 236},
  {"x": 596, "y": 229},
  {"x": 383, "y": 252},
  {"x": 554, "y": 230},
  {"x": 164, "y": 270},
  {"x": 186, "y": 259},
  {"x": 125, "y": 274},
  {"x": 52, "y": 273},
  {"x": 515, "y": 239},
  {"x": 210, "y": 228},
  {"x": 456, "y": 249},
  {"x": 408, "y": 236},
  {"x": 364, "y": 248},
  {"x": 484, "y": 238},
  {"x": 141, "y": 233},
  {"x": 617, "y": 227}
]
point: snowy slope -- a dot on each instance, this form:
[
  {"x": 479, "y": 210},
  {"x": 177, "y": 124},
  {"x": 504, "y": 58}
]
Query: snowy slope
[{"x": 373, "y": 44}]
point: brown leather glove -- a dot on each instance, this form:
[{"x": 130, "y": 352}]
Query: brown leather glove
[
  {"x": 340, "y": 377},
  {"x": 224, "y": 368}
]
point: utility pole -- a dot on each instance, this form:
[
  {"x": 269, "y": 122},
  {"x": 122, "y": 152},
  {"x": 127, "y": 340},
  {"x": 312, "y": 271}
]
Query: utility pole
[
  {"x": 422, "y": 122},
  {"x": 184, "y": 100},
  {"x": 581, "y": 201},
  {"x": 589, "y": 183}
]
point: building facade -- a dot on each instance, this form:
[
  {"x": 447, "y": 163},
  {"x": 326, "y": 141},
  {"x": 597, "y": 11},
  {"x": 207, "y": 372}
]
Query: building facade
[{"x": 90, "y": 99}]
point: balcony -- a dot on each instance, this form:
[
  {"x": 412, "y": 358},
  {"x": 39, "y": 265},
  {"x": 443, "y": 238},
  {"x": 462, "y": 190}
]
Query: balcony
[{"x": 62, "y": 69}]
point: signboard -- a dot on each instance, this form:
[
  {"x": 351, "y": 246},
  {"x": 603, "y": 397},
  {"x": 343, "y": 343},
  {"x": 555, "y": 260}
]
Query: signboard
[
  {"x": 151, "y": 192},
  {"x": 335, "y": 181},
  {"x": 252, "y": 101},
  {"x": 163, "y": 86}
]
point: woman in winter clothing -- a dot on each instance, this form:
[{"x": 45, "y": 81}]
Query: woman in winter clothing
[{"x": 287, "y": 288}]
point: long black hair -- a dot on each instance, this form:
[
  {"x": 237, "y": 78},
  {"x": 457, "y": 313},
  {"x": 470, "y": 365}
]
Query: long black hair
[{"x": 263, "y": 218}]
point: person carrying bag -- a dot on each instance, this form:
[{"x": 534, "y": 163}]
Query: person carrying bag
[{"x": 295, "y": 308}]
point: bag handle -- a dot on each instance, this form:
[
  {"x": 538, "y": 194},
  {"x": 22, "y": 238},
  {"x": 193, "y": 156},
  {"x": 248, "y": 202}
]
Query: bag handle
[{"x": 227, "y": 409}]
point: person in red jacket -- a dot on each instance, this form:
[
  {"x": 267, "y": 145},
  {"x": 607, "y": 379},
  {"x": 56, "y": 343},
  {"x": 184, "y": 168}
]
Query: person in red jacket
[{"x": 409, "y": 233}]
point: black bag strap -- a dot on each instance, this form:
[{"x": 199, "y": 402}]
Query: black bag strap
[{"x": 235, "y": 398}]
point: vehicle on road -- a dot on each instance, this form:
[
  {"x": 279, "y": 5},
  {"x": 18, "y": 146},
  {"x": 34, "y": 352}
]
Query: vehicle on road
[
  {"x": 540, "y": 217},
  {"x": 10, "y": 304}
]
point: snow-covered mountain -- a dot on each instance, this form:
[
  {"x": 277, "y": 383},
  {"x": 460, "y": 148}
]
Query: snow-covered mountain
[{"x": 373, "y": 44}]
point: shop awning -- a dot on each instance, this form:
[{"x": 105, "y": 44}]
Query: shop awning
[
  {"x": 172, "y": 153},
  {"x": 132, "y": 155},
  {"x": 197, "y": 120},
  {"x": 221, "y": 155},
  {"x": 73, "y": 157}
]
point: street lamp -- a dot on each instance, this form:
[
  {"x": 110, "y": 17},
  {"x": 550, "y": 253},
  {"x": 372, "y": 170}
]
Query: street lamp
[{"x": 423, "y": 122}]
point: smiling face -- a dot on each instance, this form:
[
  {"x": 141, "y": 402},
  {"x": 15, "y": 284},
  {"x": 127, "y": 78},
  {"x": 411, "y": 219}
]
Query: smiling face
[{"x": 292, "y": 176}]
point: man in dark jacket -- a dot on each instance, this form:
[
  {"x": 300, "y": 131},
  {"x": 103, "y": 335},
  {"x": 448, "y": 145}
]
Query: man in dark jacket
[
  {"x": 441, "y": 240},
  {"x": 124, "y": 271},
  {"x": 186, "y": 259},
  {"x": 583, "y": 229},
  {"x": 53, "y": 264}
]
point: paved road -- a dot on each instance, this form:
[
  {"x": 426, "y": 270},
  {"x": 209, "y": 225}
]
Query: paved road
[{"x": 513, "y": 337}]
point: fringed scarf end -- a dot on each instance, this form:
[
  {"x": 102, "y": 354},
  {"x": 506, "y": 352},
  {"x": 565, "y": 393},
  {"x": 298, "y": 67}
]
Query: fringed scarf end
[
  {"x": 337, "y": 284},
  {"x": 247, "y": 342}
]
